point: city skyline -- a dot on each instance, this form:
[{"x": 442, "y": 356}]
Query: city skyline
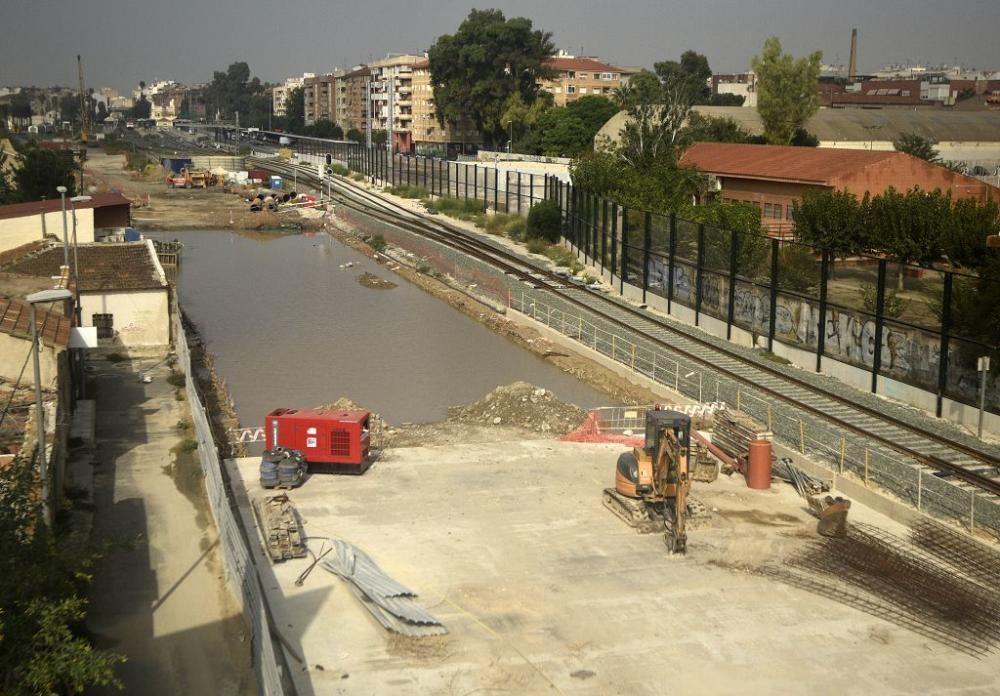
[{"x": 122, "y": 44}]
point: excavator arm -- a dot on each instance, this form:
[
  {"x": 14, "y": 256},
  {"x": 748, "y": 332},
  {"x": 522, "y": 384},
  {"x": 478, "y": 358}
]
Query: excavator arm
[{"x": 672, "y": 481}]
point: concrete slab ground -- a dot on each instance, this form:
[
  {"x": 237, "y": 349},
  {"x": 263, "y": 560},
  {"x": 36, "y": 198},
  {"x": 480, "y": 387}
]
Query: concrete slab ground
[{"x": 544, "y": 591}]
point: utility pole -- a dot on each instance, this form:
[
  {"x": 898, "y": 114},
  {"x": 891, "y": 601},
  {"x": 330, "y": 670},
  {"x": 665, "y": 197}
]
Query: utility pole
[
  {"x": 390, "y": 113},
  {"x": 368, "y": 113}
]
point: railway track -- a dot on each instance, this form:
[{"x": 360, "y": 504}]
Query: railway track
[{"x": 975, "y": 466}]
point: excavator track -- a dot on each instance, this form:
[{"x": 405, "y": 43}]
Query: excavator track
[
  {"x": 643, "y": 517},
  {"x": 634, "y": 513}
]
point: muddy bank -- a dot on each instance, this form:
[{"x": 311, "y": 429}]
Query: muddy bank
[{"x": 618, "y": 388}]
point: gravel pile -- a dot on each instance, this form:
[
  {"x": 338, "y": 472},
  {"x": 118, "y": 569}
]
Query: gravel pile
[{"x": 520, "y": 405}]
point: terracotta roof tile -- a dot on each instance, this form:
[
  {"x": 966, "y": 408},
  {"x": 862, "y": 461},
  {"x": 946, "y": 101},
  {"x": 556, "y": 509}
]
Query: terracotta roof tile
[
  {"x": 103, "y": 266},
  {"x": 801, "y": 164},
  {"x": 15, "y": 319}
]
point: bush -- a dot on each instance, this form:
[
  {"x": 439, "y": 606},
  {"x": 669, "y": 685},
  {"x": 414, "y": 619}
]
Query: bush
[
  {"x": 560, "y": 256},
  {"x": 545, "y": 222},
  {"x": 537, "y": 246},
  {"x": 176, "y": 378},
  {"x": 408, "y": 191},
  {"x": 340, "y": 170},
  {"x": 516, "y": 228},
  {"x": 377, "y": 243}
]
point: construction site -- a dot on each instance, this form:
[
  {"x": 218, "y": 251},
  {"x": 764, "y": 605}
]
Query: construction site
[{"x": 494, "y": 565}]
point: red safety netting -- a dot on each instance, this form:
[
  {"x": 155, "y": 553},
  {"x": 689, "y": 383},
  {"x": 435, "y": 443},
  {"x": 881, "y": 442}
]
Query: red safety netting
[{"x": 590, "y": 431}]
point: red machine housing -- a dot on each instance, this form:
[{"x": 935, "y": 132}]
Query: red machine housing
[{"x": 339, "y": 438}]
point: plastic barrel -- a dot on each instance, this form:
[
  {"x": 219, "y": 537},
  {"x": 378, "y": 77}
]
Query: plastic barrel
[{"x": 759, "y": 466}]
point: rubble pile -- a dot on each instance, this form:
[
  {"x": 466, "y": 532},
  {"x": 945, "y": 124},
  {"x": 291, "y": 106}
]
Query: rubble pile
[{"x": 520, "y": 405}]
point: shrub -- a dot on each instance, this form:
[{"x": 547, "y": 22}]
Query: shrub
[
  {"x": 545, "y": 221},
  {"x": 377, "y": 243},
  {"x": 176, "y": 378},
  {"x": 408, "y": 191},
  {"x": 560, "y": 256},
  {"x": 340, "y": 170},
  {"x": 537, "y": 246},
  {"x": 516, "y": 228}
]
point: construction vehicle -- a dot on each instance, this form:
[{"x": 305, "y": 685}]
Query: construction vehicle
[
  {"x": 652, "y": 481},
  {"x": 190, "y": 178}
]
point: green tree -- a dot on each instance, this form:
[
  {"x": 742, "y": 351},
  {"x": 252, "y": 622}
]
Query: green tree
[
  {"x": 727, "y": 100},
  {"x": 295, "y": 111},
  {"x": 20, "y": 109},
  {"x": 355, "y": 135},
  {"x": 786, "y": 90},
  {"x": 714, "y": 129},
  {"x": 908, "y": 227},
  {"x": 917, "y": 145},
  {"x": 379, "y": 137},
  {"x": 832, "y": 220},
  {"x": 141, "y": 108},
  {"x": 691, "y": 71},
  {"x": 520, "y": 120},
  {"x": 475, "y": 70},
  {"x": 563, "y": 134},
  {"x": 41, "y": 171},
  {"x": 41, "y": 602},
  {"x": 69, "y": 108},
  {"x": 325, "y": 128}
]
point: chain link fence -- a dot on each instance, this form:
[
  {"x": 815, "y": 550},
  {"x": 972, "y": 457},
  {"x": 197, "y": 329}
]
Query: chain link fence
[
  {"x": 242, "y": 578},
  {"x": 823, "y": 442}
]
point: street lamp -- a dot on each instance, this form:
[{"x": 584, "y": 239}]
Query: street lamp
[
  {"x": 76, "y": 261},
  {"x": 33, "y": 299},
  {"x": 62, "y": 195}
]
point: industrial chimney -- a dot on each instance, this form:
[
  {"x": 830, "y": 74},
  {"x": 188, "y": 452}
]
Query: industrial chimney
[{"x": 852, "y": 68}]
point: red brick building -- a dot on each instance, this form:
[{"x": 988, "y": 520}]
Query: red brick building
[{"x": 774, "y": 177}]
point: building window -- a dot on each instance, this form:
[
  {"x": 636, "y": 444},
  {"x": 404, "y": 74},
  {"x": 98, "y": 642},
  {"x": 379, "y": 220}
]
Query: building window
[
  {"x": 105, "y": 324},
  {"x": 583, "y": 90},
  {"x": 583, "y": 76},
  {"x": 571, "y": 89}
]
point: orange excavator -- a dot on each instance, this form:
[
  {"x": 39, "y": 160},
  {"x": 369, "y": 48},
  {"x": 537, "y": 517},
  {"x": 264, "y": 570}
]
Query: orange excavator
[{"x": 652, "y": 481}]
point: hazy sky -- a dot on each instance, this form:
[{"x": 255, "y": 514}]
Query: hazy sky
[{"x": 124, "y": 41}]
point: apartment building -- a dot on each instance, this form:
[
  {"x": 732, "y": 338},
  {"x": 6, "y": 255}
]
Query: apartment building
[
  {"x": 319, "y": 96},
  {"x": 392, "y": 98},
  {"x": 581, "y": 76},
  {"x": 352, "y": 86},
  {"x": 738, "y": 84},
  {"x": 281, "y": 93},
  {"x": 429, "y": 137}
]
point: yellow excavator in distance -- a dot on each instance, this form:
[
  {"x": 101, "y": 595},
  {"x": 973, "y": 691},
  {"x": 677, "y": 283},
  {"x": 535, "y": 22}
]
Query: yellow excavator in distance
[{"x": 652, "y": 481}]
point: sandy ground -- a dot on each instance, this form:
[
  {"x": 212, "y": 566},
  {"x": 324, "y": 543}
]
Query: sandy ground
[
  {"x": 160, "y": 600},
  {"x": 544, "y": 591}
]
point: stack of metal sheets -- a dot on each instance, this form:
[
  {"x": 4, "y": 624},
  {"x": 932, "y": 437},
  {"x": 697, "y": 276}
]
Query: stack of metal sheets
[{"x": 390, "y": 603}]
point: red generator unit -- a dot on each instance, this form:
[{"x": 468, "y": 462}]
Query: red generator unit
[{"x": 340, "y": 439}]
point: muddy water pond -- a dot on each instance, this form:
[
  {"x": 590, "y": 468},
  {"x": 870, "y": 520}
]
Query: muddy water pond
[{"x": 290, "y": 325}]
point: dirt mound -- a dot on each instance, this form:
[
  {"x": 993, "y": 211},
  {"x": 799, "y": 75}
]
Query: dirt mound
[
  {"x": 341, "y": 404},
  {"x": 520, "y": 405},
  {"x": 265, "y": 220},
  {"x": 370, "y": 280}
]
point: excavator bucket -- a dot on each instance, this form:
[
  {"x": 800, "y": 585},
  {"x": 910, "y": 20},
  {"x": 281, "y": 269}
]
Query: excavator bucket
[{"x": 832, "y": 514}]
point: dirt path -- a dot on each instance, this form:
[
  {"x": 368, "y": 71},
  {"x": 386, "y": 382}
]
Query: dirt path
[{"x": 161, "y": 600}]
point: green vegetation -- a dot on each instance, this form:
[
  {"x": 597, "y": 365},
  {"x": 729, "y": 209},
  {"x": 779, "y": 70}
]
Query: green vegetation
[
  {"x": 176, "y": 378},
  {"x": 377, "y": 243},
  {"x": 918, "y": 146},
  {"x": 536, "y": 246},
  {"x": 545, "y": 221},
  {"x": 786, "y": 91},
  {"x": 185, "y": 446},
  {"x": 43, "y": 581},
  {"x": 476, "y": 70},
  {"x": 409, "y": 191},
  {"x": 340, "y": 170},
  {"x": 38, "y": 175}
]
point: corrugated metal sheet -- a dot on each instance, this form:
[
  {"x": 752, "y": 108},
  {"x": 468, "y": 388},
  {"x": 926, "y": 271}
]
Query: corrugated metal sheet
[{"x": 385, "y": 599}]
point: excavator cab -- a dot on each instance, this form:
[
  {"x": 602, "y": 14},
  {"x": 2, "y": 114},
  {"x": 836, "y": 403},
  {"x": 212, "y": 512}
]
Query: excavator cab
[{"x": 652, "y": 482}]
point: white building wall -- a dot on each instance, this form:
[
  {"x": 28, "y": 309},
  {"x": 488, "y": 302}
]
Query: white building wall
[
  {"x": 14, "y": 351},
  {"x": 15, "y": 232},
  {"x": 141, "y": 317}
]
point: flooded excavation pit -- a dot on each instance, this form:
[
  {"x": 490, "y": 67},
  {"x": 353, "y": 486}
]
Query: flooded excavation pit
[{"x": 292, "y": 321}]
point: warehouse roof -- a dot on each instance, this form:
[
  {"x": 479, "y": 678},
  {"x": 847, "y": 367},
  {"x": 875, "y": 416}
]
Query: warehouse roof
[
  {"x": 863, "y": 125},
  {"x": 52, "y": 205},
  {"x": 800, "y": 164},
  {"x": 103, "y": 266}
]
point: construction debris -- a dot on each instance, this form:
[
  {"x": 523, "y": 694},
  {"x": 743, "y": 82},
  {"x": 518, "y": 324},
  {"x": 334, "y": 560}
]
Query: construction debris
[
  {"x": 279, "y": 527},
  {"x": 385, "y": 599},
  {"x": 735, "y": 430},
  {"x": 521, "y": 405},
  {"x": 805, "y": 484}
]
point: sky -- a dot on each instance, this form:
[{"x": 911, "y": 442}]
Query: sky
[{"x": 124, "y": 41}]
